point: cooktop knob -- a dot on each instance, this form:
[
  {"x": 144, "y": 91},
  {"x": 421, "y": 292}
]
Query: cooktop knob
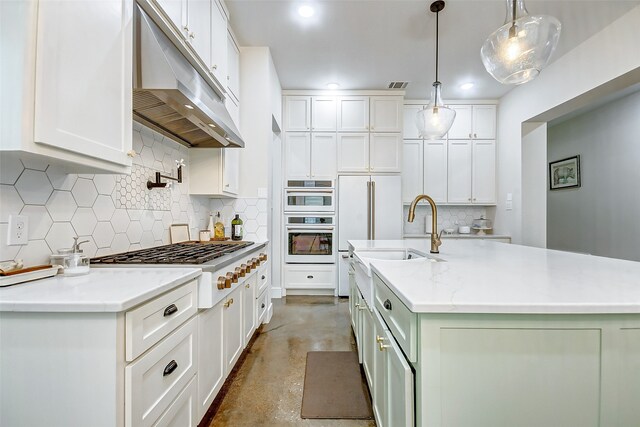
[
  {"x": 263, "y": 257},
  {"x": 240, "y": 272},
  {"x": 230, "y": 279},
  {"x": 222, "y": 282}
]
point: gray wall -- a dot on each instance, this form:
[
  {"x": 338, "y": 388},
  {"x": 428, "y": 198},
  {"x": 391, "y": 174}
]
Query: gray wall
[{"x": 603, "y": 216}]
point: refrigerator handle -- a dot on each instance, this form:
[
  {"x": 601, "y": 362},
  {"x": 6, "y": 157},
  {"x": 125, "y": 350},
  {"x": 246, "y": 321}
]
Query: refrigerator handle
[
  {"x": 368, "y": 210},
  {"x": 373, "y": 210}
]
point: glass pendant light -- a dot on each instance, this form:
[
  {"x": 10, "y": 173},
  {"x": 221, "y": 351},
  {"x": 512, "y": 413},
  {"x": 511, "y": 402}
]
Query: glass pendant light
[
  {"x": 435, "y": 120},
  {"x": 516, "y": 52}
]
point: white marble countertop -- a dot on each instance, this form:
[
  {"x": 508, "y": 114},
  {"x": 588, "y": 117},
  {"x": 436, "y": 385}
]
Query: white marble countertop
[
  {"x": 458, "y": 236},
  {"x": 102, "y": 290},
  {"x": 482, "y": 276}
]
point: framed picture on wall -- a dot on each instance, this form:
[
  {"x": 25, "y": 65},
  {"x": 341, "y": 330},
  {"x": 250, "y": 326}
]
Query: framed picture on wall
[{"x": 564, "y": 173}]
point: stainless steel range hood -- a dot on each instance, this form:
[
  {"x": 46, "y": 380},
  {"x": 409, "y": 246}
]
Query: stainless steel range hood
[{"x": 171, "y": 97}]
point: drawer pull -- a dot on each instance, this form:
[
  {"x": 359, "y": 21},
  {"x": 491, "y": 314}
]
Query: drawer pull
[
  {"x": 383, "y": 346},
  {"x": 264, "y": 277},
  {"x": 170, "y": 310},
  {"x": 168, "y": 370},
  {"x": 387, "y": 305},
  {"x": 262, "y": 306},
  {"x": 309, "y": 277}
]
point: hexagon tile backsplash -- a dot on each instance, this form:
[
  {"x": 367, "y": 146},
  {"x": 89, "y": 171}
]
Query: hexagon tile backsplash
[
  {"x": 116, "y": 213},
  {"x": 448, "y": 217}
]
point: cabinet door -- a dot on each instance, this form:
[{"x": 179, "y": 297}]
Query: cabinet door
[
  {"x": 378, "y": 391},
  {"x": 249, "y": 308},
  {"x": 410, "y": 129},
  {"x": 399, "y": 385},
  {"x": 353, "y": 113},
  {"x": 297, "y": 155},
  {"x": 353, "y": 152},
  {"x": 386, "y": 113},
  {"x": 199, "y": 24},
  {"x": 459, "y": 171},
  {"x": 324, "y": 113},
  {"x": 368, "y": 343},
  {"x": 435, "y": 170},
  {"x": 386, "y": 216},
  {"x": 484, "y": 121},
  {"x": 484, "y": 172},
  {"x": 233, "y": 333},
  {"x": 211, "y": 373},
  {"x": 412, "y": 170},
  {"x": 234, "y": 109},
  {"x": 218, "y": 42},
  {"x": 323, "y": 156},
  {"x": 233, "y": 66},
  {"x": 385, "y": 152},
  {"x": 231, "y": 170},
  {"x": 461, "y": 128},
  {"x": 176, "y": 10},
  {"x": 83, "y": 102},
  {"x": 352, "y": 300},
  {"x": 297, "y": 113}
]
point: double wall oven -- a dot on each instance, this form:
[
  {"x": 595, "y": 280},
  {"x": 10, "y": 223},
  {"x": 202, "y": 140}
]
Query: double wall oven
[{"x": 310, "y": 223}]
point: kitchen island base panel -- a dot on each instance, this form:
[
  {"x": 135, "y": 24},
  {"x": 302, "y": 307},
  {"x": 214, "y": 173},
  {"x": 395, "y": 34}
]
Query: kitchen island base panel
[{"x": 528, "y": 370}]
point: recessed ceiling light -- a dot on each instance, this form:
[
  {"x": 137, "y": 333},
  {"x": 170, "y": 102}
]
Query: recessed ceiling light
[
  {"x": 190, "y": 107},
  {"x": 306, "y": 11},
  {"x": 466, "y": 86},
  {"x": 333, "y": 86},
  {"x": 212, "y": 125}
]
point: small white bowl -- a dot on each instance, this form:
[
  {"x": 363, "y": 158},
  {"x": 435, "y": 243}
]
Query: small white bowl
[{"x": 464, "y": 229}]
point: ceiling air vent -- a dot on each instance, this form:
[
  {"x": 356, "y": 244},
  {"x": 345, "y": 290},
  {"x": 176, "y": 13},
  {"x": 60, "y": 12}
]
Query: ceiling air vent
[{"x": 398, "y": 85}]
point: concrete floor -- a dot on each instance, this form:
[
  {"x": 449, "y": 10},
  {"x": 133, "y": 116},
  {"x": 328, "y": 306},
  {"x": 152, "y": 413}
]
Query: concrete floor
[{"x": 268, "y": 388}]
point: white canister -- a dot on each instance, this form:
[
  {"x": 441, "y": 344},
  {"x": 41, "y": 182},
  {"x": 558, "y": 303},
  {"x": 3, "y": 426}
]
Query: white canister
[
  {"x": 464, "y": 229},
  {"x": 205, "y": 235}
]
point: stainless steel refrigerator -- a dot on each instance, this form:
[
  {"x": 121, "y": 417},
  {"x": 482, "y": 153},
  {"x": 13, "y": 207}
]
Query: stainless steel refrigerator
[{"x": 369, "y": 208}]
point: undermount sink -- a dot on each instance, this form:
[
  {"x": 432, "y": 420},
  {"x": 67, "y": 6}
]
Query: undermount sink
[{"x": 393, "y": 254}]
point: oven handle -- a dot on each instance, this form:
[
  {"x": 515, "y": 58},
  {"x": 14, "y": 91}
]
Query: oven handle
[
  {"x": 309, "y": 229},
  {"x": 307, "y": 190}
]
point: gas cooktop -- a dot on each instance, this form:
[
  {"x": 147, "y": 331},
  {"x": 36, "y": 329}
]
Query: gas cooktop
[{"x": 176, "y": 253}]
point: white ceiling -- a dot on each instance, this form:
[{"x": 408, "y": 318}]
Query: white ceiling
[{"x": 365, "y": 44}]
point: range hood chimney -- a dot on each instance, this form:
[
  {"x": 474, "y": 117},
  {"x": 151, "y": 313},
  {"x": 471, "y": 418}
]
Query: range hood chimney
[{"x": 170, "y": 96}]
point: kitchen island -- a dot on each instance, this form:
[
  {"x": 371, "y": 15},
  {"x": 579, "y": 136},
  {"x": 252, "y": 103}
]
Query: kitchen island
[{"x": 493, "y": 334}]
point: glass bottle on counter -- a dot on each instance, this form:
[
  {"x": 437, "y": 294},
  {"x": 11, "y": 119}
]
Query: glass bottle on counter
[
  {"x": 218, "y": 228},
  {"x": 237, "y": 229}
]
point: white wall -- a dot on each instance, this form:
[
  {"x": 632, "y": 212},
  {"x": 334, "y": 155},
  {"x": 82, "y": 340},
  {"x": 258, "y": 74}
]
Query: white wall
[
  {"x": 534, "y": 184},
  {"x": 602, "y": 217},
  {"x": 608, "y": 61}
]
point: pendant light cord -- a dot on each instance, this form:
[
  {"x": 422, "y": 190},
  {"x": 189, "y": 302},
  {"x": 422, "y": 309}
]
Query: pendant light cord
[{"x": 437, "y": 43}]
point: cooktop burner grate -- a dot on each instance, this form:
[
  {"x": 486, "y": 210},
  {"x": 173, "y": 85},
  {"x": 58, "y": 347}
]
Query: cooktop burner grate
[{"x": 177, "y": 253}]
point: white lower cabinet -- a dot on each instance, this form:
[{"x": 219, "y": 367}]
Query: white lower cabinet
[
  {"x": 233, "y": 331},
  {"x": 249, "y": 308},
  {"x": 212, "y": 373},
  {"x": 184, "y": 410},
  {"x": 368, "y": 341},
  {"x": 398, "y": 384}
]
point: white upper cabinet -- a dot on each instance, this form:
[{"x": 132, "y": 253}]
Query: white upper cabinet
[
  {"x": 324, "y": 113},
  {"x": 386, "y": 114},
  {"x": 219, "y": 44},
  {"x": 474, "y": 122},
  {"x": 385, "y": 152},
  {"x": 72, "y": 99},
  {"x": 297, "y": 149},
  {"x": 297, "y": 113},
  {"x": 461, "y": 128},
  {"x": 484, "y": 121},
  {"x": 233, "y": 67},
  {"x": 459, "y": 172},
  {"x": 176, "y": 10},
  {"x": 435, "y": 170},
  {"x": 230, "y": 170},
  {"x": 323, "y": 155},
  {"x": 214, "y": 172},
  {"x": 353, "y": 113},
  {"x": 412, "y": 170},
  {"x": 353, "y": 152},
  {"x": 199, "y": 28},
  {"x": 484, "y": 172},
  {"x": 410, "y": 129}
]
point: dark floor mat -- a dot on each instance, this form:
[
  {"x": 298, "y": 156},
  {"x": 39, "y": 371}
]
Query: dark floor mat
[{"x": 334, "y": 388}]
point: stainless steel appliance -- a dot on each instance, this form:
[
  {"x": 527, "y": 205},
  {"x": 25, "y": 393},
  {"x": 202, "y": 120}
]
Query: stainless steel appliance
[
  {"x": 171, "y": 97},
  {"x": 310, "y": 239},
  {"x": 309, "y": 196},
  {"x": 369, "y": 208},
  {"x": 221, "y": 263}
]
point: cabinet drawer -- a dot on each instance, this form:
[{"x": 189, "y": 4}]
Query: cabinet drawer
[
  {"x": 263, "y": 278},
  {"x": 183, "y": 411},
  {"x": 156, "y": 379},
  {"x": 402, "y": 323},
  {"x": 306, "y": 277},
  {"x": 152, "y": 321},
  {"x": 261, "y": 307}
]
